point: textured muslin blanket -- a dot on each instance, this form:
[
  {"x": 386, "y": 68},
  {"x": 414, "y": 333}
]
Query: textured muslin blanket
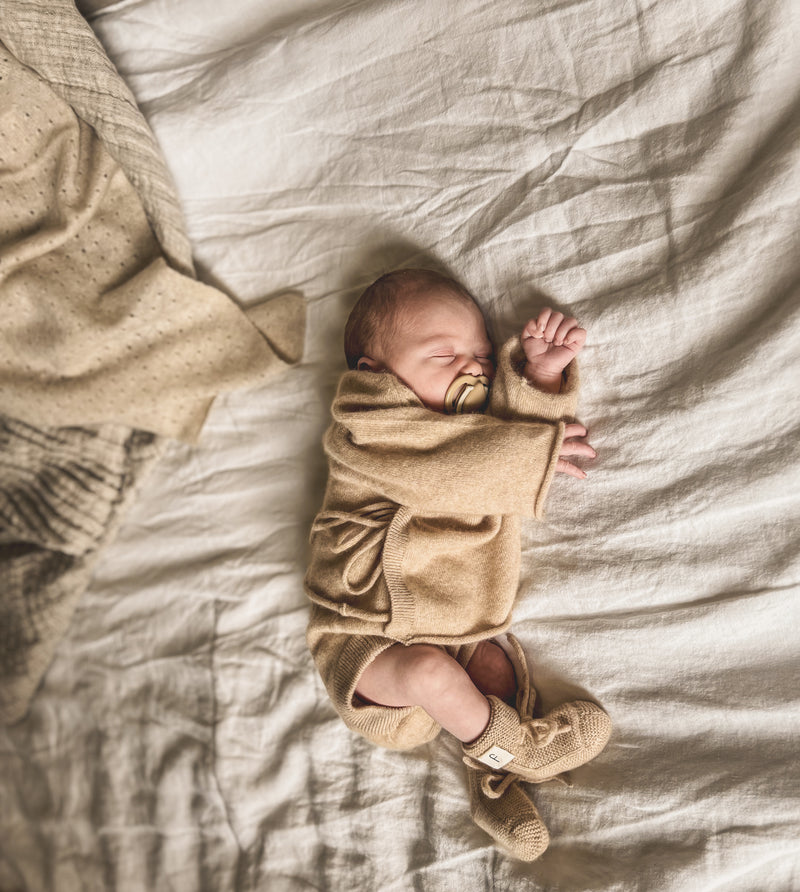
[{"x": 633, "y": 163}]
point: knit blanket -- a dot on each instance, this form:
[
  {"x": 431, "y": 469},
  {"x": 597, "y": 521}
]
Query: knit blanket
[{"x": 109, "y": 344}]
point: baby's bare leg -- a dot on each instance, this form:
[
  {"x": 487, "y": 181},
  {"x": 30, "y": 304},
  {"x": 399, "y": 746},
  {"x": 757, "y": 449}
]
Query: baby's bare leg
[
  {"x": 425, "y": 675},
  {"x": 492, "y": 672}
]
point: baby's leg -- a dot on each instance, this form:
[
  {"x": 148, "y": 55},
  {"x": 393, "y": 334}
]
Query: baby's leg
[{"x": 425, "y": 675}]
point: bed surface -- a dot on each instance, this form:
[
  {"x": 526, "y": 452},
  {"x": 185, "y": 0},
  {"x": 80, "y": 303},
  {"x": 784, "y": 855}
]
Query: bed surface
[{"x": 635, "y": 163}]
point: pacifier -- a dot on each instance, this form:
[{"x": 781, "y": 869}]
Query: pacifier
[{"x": 467, "y": 393}]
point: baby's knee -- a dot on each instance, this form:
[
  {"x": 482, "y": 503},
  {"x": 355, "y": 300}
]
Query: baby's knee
[
  {"x": 406, "y": 675},
  {"x": 428, "y": 670}
]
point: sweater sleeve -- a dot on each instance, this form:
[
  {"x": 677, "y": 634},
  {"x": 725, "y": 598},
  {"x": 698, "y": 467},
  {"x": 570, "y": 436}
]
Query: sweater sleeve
[
  {"x": 384, "y": 441},
  {"x": 512, "y": 396}
]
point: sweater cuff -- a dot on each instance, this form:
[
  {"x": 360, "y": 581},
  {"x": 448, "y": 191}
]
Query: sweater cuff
[{"x": 513, "y": 396}]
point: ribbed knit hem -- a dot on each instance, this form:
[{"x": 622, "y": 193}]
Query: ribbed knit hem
[
  {"x": 541, "y": 499},
  {"x": 403, "y": 605},
  {"x": 502, "y": 727}
]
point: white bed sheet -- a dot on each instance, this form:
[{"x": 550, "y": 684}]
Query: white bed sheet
[{"x": 634, "y": 162}]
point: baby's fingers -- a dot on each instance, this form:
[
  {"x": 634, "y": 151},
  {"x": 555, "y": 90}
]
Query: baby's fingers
[
  {"x": 536, "y": 328},
  {"x": 575, "y": 447},
  {"x": 565, "y": 467},
  {"x": 563, "y": 328},
  {"x": 543, "y": 318},
  {"x": 574, "y": 430},
  {"x": 570, "y": 334},
  {"x": 551, "y": 326}
]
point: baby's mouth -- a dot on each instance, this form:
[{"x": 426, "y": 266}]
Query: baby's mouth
[{"x": 467, "y": 393}]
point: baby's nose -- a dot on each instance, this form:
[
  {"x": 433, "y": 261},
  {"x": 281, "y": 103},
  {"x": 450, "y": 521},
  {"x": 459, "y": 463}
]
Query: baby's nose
[{"x": 470, "y": 366}]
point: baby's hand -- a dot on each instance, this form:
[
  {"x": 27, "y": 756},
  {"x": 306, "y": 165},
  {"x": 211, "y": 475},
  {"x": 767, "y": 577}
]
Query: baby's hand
[
  {"x": 551, "y": 342},
  {"x": 572, "y": 446}
]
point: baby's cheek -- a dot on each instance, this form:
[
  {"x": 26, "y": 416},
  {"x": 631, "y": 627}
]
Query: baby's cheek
[{"x": 437, "y": 390}]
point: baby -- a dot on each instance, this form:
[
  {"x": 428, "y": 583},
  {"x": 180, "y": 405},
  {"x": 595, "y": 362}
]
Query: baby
[{"x": 435, "y": 452}]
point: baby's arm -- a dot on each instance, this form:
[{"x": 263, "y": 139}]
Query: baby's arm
[
  {"x": 460, "y": 464},
  {"x": 550, "y": 341},
  {"x": 551, "y": 389}
]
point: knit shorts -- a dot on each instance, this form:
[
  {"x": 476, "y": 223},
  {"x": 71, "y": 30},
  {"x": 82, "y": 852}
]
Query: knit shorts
[{"x": 341, "y": 657}]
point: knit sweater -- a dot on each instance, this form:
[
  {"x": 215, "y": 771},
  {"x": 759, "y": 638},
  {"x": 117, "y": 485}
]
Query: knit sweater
[{"x": 418, "y": 535}]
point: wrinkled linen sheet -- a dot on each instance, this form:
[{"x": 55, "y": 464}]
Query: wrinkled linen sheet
[{"x": 636, "y": 164}]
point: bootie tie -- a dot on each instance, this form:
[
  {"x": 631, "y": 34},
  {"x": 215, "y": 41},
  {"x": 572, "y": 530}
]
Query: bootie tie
[
  {"x": 537, "y": 750},
  {"x": 500, "y": 807}
]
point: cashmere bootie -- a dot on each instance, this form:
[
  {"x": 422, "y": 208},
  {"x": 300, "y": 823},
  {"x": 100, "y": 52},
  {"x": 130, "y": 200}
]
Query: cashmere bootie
[
  {"x": 506, "y": 813},
  {"x": 538, "y": 750}
]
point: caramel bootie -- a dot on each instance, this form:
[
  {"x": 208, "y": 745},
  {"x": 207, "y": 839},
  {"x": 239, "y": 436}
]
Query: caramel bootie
[
  {"x": 500, "y": 807},
  {"x": 537, "y": 750}
]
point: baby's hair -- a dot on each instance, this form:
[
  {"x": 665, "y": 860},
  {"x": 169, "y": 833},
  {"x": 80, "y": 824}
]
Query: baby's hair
[{"x": 376, "y": 311}]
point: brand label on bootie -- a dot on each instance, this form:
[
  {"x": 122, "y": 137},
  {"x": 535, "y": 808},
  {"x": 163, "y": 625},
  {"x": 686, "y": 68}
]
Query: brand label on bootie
[{"x": 496, "y": 757}]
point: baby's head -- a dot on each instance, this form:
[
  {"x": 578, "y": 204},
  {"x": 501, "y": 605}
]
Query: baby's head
[{"x": 422, "y": 327}]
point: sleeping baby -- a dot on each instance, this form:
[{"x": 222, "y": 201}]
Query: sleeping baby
[{"x": 435, "y": 452}]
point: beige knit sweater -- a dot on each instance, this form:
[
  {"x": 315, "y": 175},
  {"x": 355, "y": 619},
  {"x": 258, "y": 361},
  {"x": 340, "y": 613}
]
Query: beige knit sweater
[{"x": 418, "y": 536}]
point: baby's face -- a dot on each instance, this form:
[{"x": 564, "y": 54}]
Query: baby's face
[{"x": 437, "y": 338}]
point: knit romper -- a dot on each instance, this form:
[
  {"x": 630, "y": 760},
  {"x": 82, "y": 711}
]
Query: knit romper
[{"x": 418, "y": 537}]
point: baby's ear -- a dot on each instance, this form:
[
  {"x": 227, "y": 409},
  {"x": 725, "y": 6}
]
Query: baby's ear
[{"x": 368, "y": 364}]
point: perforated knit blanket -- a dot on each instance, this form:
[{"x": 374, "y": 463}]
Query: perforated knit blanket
[{"x": 108, "y": 341}]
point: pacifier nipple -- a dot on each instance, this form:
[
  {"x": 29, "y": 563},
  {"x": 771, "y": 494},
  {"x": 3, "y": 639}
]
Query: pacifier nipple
[{"x": 468, "y": 393}]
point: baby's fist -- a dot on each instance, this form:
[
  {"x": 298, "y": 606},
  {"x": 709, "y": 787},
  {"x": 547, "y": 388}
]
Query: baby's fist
[{"x": 550, "y": 341}]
